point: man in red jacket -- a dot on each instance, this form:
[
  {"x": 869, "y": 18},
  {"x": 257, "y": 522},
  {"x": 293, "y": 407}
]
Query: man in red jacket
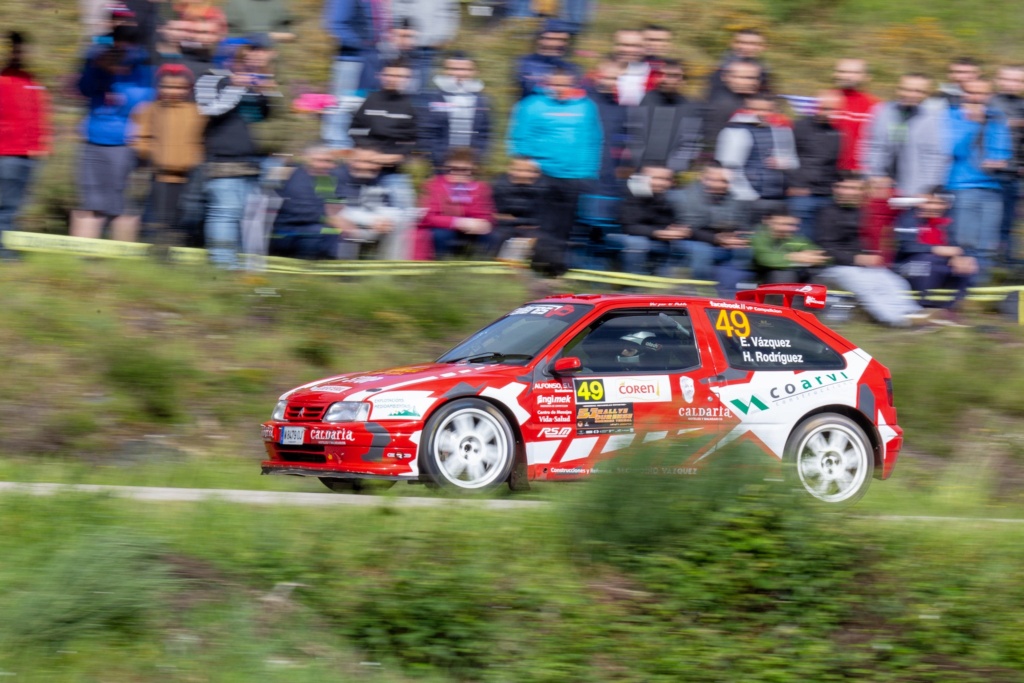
[
  {"x": 853, "y": 114},
  {"x": 24, "y": 132}
]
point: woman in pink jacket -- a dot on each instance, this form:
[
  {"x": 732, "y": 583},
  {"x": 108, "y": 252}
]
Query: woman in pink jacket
[{"x": 459, "y": 211}]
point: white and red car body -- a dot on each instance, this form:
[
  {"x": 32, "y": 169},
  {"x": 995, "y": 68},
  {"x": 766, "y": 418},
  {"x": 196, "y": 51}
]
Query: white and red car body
[{"x": 559, "y": 435}]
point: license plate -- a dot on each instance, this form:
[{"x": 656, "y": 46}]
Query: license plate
[{"x": 292, "y": 436}]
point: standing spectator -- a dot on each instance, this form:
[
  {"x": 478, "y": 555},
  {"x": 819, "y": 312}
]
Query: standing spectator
[
  {"x": 532, "y": 70},
  {"x": 981, "y": 146},
  {"x": 717, "y": 220},
  {"x": 387, "y": 121},
  {"x": 114, "y": 80},
  {"x": 634, "y": 71},
  {"x": 742, "y": 79},
  {"x": 437, "y": 20},
  {"x": 602, "y": 92},
  {"x": 457, "y": 112},
  {"x": 747, "y": 46},
  {"x": 519, "y": 197},
  {"x": 781, "y": 254},
  {"x": 459, "y": 209},
  {"x": 207, "y": 28},
  {"x": 232, "y": 161},
  {"x": 961, "y": 70},
  {"x": 356, "y": 26},
  {"x": 854, "y": 112},
  {"x": 657, "y": 44},
  {"x": 1009, "y": 99},
  {"x": 308, "y": 225},
  {"x": 818, "y": 147},
  {"x": 171, "y": 34},
  {"x": 24, "y": 132},
  {"x": 562, "y": 132},
  {"x": 653, "y": 237},
  {"x": 370, "y": 213},
  {"x": 926, "y": 256},
  {"x": 758, "y": 153},
  {"x": 270, "y": 17},
  {"x": 576, "y": 14},
  {"x": 906, "y": 146},
  {"x": 401, "y": 42},
  {"x": 883, "y": 293},
  {"x": 665, "y": 130},
  {"x": 169, "y": 137}
]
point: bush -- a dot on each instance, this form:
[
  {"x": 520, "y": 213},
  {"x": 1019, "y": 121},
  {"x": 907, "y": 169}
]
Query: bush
[{"x": 153, "y": 378}]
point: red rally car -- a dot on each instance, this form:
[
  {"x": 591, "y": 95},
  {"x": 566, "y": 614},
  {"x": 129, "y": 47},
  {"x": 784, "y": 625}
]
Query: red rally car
[{"x": 558, "y": 386}]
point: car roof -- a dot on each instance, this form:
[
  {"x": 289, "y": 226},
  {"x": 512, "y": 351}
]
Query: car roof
[{"x": 614, "y": 300}]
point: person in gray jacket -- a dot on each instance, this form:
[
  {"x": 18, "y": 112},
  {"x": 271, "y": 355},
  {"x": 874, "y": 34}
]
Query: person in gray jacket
[{"x": 906, "y": 147}]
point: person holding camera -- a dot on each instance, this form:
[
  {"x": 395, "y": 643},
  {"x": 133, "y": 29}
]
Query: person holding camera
[{"x": 981, "y": 144}]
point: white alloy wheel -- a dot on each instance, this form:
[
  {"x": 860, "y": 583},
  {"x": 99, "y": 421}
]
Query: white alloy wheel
[
  {"x": 470, "y": 446},
  {"x": 833, "y": 458}
]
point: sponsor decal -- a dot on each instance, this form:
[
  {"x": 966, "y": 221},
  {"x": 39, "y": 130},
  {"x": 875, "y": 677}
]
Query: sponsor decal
[
  {"x": 557, "y": 387},
  {"x": 571, "y": 470},
  {"x": 753, "y": 404},
  {"x": 555, "y": 432},
  {"x": 707, "y": 414},
  {"x": 807, "y": 385},
  {"x": 633, "y": 389},
  {"x": 812, "y": 301},
  {"x": 398, "y": 455},
  {"x": 364, "y": 379},
  {"x": 688, "y": 388},
  {"x": 400, "y": 405},
  {"x": 733, "y": 323},
  {"x": 331, "y": 435},
  {"x": 268, "y": 432},
  {"x": 409, "y": 370},
  {"x": 773, "y": 358},
  {"x": 805, "y": 289},
  {"x": 548, "y": 415},
  {"x": 546, "y": 310},
  {"x": 765, "y": 343},
  {"x": 332, "y": 389},
  {"x": 610, "y": 418},
  {"x": 689, "y": 471},
  {"x": 554, "y": 400}
]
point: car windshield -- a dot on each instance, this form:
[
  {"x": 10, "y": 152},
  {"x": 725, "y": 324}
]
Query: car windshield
[{"x": 519, "y": 336}]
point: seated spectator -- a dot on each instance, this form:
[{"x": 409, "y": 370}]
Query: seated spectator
[
  {"x": 781, "y": 253},
  {"x": 457, "y": 112},
  {"x": 169, "y": 138},
  {"x": 533, "y": 70},
  {"x": 518, "y": 199},
  {"x": 652, "y": 239},
  {"x": 665, "y": 130},
  {"x": 370, "y": 213},
  {"x": 716, "y": 218},
  {"x": 305, "y": 227},
  {"x": 884, "y": 294},
  {"x": 459, "y": 211},
  {"x": 927, "y": 257}
]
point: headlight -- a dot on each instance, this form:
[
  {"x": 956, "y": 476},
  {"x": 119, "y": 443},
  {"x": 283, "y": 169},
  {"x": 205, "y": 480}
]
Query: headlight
[
  {"x": 347, "y": 411},
  {"x": 278, "y": 413}
]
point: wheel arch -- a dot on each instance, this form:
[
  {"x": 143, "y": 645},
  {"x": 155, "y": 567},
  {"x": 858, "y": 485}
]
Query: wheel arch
[{"x": 862, "y": 420}]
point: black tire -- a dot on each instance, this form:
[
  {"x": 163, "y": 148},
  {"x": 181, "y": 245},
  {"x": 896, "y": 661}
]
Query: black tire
[
  {"x": 467, "y": 446},
  {"x": 830, "y": 457},
  {"x": 356, "y": 485}
]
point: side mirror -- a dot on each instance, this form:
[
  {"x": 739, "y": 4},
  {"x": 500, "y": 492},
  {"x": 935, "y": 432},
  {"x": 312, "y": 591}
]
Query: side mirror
[{"x": 565, "y": 366}]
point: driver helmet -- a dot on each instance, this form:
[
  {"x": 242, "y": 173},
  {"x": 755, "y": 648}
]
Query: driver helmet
[{"x": 635, "y": 345}]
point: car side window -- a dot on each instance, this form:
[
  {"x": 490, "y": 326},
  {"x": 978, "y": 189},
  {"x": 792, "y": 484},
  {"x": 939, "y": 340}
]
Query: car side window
[
  {"x": 756, "y": 341},
  {"x": 628, "y": 342}
]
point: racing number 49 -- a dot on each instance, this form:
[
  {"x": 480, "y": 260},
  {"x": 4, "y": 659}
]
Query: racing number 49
[
  {"x": 733, "y": 323},
  {"x": 590, "y": 391}
]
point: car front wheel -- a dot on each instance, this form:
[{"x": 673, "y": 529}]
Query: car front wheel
[
  {"x": 470, "y": 446},
  {"x": 831, "y": 457}
]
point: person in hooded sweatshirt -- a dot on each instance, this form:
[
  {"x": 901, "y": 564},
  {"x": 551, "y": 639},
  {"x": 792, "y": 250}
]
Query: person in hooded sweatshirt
[
  {"x": 532, "y": 70},
  {"x": 561, "y": 130},
  {"x": 456, "y": 112},
  {"x": 665, "y": 130}
]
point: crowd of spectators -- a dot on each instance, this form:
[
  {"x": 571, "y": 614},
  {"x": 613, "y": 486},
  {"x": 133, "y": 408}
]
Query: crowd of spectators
[{"x": 880, "y": 197}]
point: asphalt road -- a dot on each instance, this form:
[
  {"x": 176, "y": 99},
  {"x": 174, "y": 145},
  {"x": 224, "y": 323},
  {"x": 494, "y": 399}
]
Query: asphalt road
[{"x": 162, "y": 494}]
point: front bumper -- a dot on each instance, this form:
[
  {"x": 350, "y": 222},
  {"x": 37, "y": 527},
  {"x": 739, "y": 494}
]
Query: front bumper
[{"x": 347, "y": 450}]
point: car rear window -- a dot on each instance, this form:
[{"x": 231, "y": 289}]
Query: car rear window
[{"x": 758, "y": 341}]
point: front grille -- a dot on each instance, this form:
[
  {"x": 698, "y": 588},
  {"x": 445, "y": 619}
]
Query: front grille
[
  {"x": 309, "y": 453},
  {"x": 296, "y": 413}
]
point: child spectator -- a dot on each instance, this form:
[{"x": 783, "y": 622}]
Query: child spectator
[
  {"x": 169, "y": 137},
  {"x": 24, "y": 132},
  {"x": 781, "y": 254},
  {"x": 459, "y": 208},
  {"x": 518, "y": 196},
  {"x": 927, "y": 257}
]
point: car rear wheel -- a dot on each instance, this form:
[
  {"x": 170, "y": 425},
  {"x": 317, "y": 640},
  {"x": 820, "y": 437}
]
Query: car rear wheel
[
  {"x": 831, "y": 457},
  {"x": 470, "y": 446},
  {"x": 356, "y": 485}
]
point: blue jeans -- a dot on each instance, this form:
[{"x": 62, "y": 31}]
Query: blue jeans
[
  {"x": 976, "y": 217},
  {"x": 15, "y": 176},
  {"x": 1011, "y": 193},
  {"x": 806, "y": 209},
  {"x": 642, "y": 255},
  {"x": 576, "y": 14},
  {"x": 345, "y": 74},
  {"x": 884, "y": 294},
  {"x": 227, "y": 197}
]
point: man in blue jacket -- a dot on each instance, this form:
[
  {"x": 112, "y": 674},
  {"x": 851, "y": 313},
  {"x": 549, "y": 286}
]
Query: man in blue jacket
[
  {"x": 981, "y": 149},
  {"x": 456, "y": 112},
  {"x": 532, "y": 70},
  {"x": 357, "y": 27},
  {"x": 561, "y": 131}
]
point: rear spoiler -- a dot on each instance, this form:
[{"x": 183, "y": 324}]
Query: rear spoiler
[{"x": 813, "y": 295}]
